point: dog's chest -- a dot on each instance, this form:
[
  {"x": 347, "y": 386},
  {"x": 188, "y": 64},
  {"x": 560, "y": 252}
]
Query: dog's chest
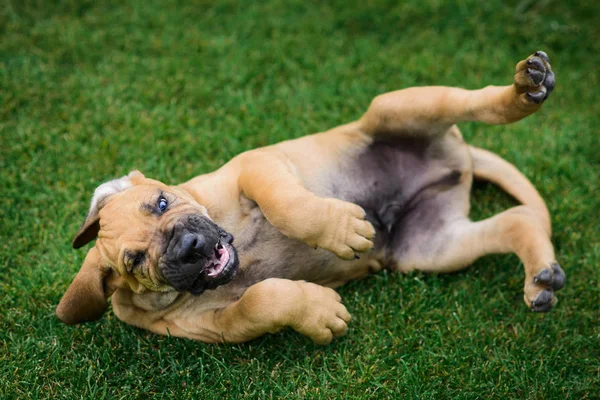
[{"x": 265, "y": 252}]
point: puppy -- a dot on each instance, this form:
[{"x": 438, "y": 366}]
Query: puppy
[{"x": 390, "y": 190}]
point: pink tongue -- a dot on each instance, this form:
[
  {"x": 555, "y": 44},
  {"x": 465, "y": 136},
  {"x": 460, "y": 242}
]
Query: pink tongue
[{"x": 218, "y": 263}]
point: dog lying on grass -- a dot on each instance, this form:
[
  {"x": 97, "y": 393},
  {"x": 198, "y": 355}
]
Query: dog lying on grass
[{"x": 390, "y": 190}]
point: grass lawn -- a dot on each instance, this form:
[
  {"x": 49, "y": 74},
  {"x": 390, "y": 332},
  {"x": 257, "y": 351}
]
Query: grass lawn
[{"x": 90, "y": 90}]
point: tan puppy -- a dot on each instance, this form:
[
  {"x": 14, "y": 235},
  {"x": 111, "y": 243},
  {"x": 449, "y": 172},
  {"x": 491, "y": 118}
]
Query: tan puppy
[{"x": 393, "y": 186}]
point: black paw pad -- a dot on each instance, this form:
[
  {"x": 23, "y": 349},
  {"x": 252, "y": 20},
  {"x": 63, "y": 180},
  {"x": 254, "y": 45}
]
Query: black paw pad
[
  {"x": 544, "y": 277},
  {"x": 543, "y": 302},
  {"x": 536, "y": 76},
  {"x": 549, "y": 83},
  {"x": 554, "y": 277},
  {"x": 537, "y": 63},
  {"x": 559, "y": 277},
  {"x": 536, "y": 97},
  {"x": 542, "y": 55}
]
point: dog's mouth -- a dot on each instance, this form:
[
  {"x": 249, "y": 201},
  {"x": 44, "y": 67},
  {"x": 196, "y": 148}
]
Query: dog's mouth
[
  {"x": 220, "y": 268},
  {"x": 219, "y": 261},
  {"x": 199, "y": 256}
]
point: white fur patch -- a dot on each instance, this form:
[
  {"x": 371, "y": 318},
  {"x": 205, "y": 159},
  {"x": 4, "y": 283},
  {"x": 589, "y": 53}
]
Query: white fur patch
[{"x": 107, "y": 189}]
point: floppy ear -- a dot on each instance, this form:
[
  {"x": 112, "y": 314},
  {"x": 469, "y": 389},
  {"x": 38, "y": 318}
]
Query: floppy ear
[
  {"x": 85, "y": 299},
  {"x": 91, "y": 226}
]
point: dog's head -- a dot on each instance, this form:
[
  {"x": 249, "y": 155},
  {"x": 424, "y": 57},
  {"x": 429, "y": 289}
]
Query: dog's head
[{"x": 151, "y": 237}]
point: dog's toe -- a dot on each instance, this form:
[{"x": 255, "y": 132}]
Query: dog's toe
[
  {"x": 536, "y": 63},
  {"x": 552, "y": 277},
  {"x": 544, "y": 301},
  {"x": 542, "y": 54},
  {"x": 536, "y": 97},
  {"x": 544, "y": 277}
]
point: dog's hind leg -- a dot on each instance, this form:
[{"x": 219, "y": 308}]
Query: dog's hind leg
[
  {"x": 436, "y": 235},
  {"x": 491, "y": 167},
  {"x": 432, "y": 110},
  {"x": 460, "y": 242}
]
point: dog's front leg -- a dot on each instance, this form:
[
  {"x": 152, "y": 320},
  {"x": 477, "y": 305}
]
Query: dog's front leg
[
  {"x": 266, "y": 307},
  {"x": 271, "y": 180}
]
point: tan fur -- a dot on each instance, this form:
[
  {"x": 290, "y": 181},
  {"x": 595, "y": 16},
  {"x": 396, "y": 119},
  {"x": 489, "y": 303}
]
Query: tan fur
[{"x": 282, "y": 181}]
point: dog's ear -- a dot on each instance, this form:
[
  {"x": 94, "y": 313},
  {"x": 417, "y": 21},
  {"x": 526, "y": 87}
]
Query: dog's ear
[
  {"x": 90, "y": 227},
  {"x": 85, "y": 299}
]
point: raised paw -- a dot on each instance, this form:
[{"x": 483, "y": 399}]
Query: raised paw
[
  {"x": 347, "y": 232},
  {"x": 539, "y": 291},
  {"x": 534, "y": 79},
  {"x": 324, "y": 317}
]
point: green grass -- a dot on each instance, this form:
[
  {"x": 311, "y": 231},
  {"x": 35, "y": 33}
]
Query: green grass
[{"x": 90, "y": 90}]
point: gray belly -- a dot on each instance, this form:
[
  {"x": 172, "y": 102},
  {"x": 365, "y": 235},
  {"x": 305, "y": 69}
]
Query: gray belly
[{"x": 392, "y": 179}]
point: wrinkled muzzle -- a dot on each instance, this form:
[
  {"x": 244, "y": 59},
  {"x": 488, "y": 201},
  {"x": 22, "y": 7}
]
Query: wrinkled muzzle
[{"x": 199, "y": 256}]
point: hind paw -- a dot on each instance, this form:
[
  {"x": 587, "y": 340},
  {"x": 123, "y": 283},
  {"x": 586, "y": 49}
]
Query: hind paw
[
  {"x": 539, "y": 291},
  {"x": 534, "y": 79}
]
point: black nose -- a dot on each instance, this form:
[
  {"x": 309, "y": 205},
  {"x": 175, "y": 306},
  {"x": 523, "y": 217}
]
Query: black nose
[{"x": 192, "y": 246}]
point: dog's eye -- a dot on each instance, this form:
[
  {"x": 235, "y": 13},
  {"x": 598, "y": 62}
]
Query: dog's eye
[{"x": 162, "y": 204}]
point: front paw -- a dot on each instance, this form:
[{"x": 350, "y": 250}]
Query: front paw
[
  {"x": 324, "y": 317},
  {"x": 346, "y": 230}
]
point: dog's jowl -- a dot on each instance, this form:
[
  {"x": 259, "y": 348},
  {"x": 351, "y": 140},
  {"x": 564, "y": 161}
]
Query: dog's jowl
[{"x": 260, "y": 243}]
